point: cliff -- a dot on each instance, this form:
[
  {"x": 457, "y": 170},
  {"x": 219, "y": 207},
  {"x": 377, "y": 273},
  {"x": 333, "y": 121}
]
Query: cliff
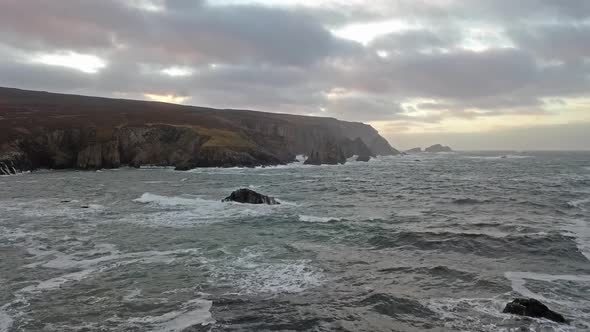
[{"x": 47, "y": 130}]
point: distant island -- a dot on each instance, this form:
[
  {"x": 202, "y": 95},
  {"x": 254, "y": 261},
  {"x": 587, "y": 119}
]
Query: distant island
[
  {"x": 432, "y": 149},
  {"x": 58, "y": 131}
]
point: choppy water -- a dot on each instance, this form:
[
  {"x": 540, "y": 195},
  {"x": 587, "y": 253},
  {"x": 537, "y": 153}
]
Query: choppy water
[{"x": 436, "y": 243}]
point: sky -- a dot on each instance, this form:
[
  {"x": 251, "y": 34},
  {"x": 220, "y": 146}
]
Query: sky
[{"x": 476, "y": 75}]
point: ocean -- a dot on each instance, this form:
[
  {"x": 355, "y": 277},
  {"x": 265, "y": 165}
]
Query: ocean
[{"x": 416, "y": 243}]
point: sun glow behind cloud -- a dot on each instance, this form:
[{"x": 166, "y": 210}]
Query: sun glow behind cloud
[
  {"x": 166, "y": 98},
  {"x": 86, "y": 63},
  {"x": 178, "y": 71}
]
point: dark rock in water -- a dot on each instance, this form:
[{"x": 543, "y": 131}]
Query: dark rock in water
[
  {"x": 329, "y": 153},
  {"x": 467, "y": 201},
  {"x": 248, "y": 196},
  {"x": 532, "y": 308},
  {"x": 438, "y": 148},
  {"x": 356, "y": 147},
  {"x": 415, "y": 150},
  {"x": 363, "y": 158}
]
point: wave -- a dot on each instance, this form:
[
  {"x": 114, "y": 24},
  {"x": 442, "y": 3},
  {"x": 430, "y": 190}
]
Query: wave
[
  {"x": 183, "y": 211},
  {"x": 572, "y": 304},
  {"x": 6, "y": 320},
  {"x": 191, "y": 313},
  {"x": 581, "y": 231},
  {"x": 500, "y": 157},
  {"x": 314, "y": 219},
  {"x": 579, "y": 204},
  {"x": 169, "y": 200},
  {"x": 554, "y": 245},
  {"x": 253, "y": 273}
]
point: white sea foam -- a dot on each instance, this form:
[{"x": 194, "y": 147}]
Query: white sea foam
[
  {"x": 580, "y": 203},
  {"x": 518, "y": 281},
  {"x": 195, "y": 210},
  {"x": 508, "y": 156},
  {"x": 580, "y": 230},
  {"x": 315, "y": 219},
  {"x": 132, "y": 295},
  {"x": 191, "y": 313},
  {"x": 89, "y": 267},
  {"x": 253, "y": 274},
  {"x": 487, "y": 312},
  {"x": 169, "y": 200},
  {"x": 6, "y": 320}
]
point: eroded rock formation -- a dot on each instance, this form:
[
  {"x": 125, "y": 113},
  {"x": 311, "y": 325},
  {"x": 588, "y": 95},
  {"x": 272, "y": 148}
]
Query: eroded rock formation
[{"x": 45, "y": 130}]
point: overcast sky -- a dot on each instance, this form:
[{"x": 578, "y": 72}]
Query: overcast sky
[{"x": 485, "y": 74}]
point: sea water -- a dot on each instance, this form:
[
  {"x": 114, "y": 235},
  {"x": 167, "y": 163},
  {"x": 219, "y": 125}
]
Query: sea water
[{"x": 422, "y": 242}]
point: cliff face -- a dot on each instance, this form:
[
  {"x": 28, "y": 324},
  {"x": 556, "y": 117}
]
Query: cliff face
[{"x": 44, "y": 130}]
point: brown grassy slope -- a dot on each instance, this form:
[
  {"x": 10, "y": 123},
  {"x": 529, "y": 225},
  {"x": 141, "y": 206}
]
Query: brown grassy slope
[{"x": 26, "y": 113}]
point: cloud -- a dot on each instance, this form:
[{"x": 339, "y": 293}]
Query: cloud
[{"x": 430, "y": 61}]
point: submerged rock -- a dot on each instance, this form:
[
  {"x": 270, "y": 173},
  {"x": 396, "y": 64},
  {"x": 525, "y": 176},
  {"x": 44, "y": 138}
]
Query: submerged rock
[
  {"x": 532, "y": 308},
  {"x": 248, "y": 196}
]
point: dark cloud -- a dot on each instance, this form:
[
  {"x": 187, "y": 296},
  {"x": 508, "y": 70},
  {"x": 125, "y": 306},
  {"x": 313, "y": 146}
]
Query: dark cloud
[
  {"x": 560, "y": 42},
  {"x": 287, "y": 59},
  {"x": 189, "y": 31}
]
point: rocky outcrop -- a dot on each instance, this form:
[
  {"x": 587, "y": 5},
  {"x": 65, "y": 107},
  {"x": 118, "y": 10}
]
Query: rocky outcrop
[
  {"x": 438, "y": 148},
  {"x": 357, "y": 148},
  {"x": 532, "y": 308},
  {"x": 414, "y": 150},
  {"x": 330, "y": 153},
  {"x": 247, "y": 196},
  {"x": 43, "y": 130}
]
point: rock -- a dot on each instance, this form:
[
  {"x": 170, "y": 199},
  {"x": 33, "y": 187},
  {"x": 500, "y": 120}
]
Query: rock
[
  {"x": 363, "y": 158},
  {"x": 88, "y": 133},
  {"x": 438, "y": 148},
  {"x": 532, "y": 308},
  {"x": 355, "y": 147},
  {"x": 248, "y": 196},
  {"x": 329, "y": 154},
  {"x": 415, "y": 150}
]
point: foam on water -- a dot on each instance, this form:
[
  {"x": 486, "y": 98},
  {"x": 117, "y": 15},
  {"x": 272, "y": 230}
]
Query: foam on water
[
  {"x": 253, "y": 274},
  {"x": 6, "y": 320},
  {"x": 502, "y": 157},
  {"x": 314, "y": 219},
  {"x": 89, "y": 267},
  {"x": 188, "y": 211},
  {"x": 580, "y": 230},
  {"x": 574, "y": 306},
  {"x": 580, "y": 204},
  {"x": 484, "y": 314},
  {"x": 191, "y": 313}
]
